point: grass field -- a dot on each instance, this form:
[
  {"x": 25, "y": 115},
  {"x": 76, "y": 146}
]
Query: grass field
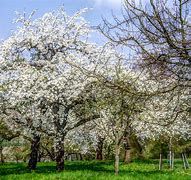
[{"x": 90, "y": 170}]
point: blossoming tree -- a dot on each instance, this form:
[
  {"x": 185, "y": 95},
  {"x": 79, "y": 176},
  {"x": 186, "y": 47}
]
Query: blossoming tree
[{"x": 38, "y": 80}]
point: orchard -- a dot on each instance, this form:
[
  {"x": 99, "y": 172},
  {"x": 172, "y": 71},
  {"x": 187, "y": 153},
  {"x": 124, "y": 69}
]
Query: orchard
[{"x": 65, "y": 98}]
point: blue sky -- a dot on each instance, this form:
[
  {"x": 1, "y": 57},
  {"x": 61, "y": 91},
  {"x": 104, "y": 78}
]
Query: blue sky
[{"x": 101, "y": 8}]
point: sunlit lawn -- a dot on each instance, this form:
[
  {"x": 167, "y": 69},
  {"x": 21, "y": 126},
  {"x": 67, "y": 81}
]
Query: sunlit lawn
[{"x": 83, "y": 170}]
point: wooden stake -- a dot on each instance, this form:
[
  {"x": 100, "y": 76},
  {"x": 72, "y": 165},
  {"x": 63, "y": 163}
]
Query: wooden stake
[
  {"x": 160, "y": 162},
  {"x": 173, "y": 160}
]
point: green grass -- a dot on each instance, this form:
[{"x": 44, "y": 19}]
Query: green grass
[{"x": 90, "y": 170}]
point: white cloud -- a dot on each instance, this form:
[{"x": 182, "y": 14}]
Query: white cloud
[{"x": 109, "y": 3}]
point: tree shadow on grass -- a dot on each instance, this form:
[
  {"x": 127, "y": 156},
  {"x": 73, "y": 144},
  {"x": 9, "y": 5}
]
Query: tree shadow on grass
[
  {"x": 13, "y": 168},
  {"x": 105, "y": 167}
]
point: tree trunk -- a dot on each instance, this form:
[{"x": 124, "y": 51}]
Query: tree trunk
[
  {"x": 186, "y": 160},
  {"x": 99, "y": 150},
  {"x": 160, "y": 159},
  {"x": 127, "y": 157},
  {"x": 117, "y": 151},
  {"x": 171, "y": 159},
  {"x": 39, "y": 157},
  {"x": 59, "y": 139},
  {"x": 184, "y": 163},
  {"x": 135, "y": 144},
  {"x": 160, "y": 162},
  {"x": 34, "y": 153},
  {"x": 59, "y": 153},
  {"x": 1, "y": 153},
  {"x": 171, "y": 154},
  {"x": 81, "y": 158}
]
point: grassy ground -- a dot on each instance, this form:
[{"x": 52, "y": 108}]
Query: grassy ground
[{"x": 84, "y": 170}]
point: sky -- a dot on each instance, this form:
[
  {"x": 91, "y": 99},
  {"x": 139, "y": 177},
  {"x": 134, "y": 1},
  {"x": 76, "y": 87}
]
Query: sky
[{"x": 100, "y": 8}]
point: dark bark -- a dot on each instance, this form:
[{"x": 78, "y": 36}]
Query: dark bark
[
  {"x": 34, "y": 153},
  {"x": 99, "y": 150},
  {"x": 81, "y": 158},
  {"x": 59, "y": 156},
  {"x": 59, "y": 140}
]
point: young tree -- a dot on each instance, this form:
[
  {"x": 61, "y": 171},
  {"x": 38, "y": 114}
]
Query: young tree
[{"x": 119, "y": 107}]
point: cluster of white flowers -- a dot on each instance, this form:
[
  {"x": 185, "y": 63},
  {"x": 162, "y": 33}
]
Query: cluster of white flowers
[
  {"x": 40, "y": 73},
  {"x": 165, "y": 115},
  {"x": 46, "y": 66}
]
